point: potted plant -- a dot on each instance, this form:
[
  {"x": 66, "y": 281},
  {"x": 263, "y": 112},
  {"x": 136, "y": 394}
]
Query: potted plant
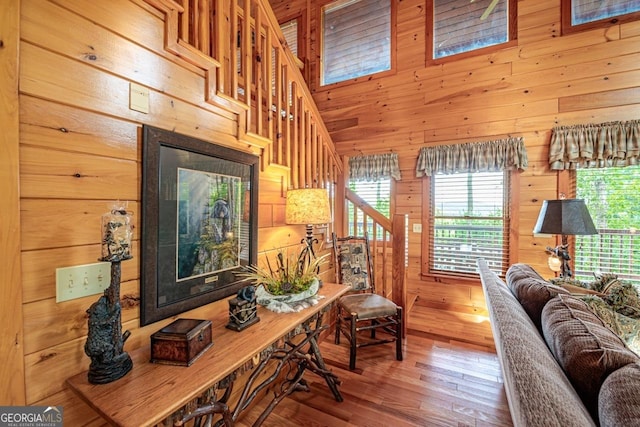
[{"x": 290, "y": 286}]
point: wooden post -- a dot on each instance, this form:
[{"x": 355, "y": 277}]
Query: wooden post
[
  {"x": 339, "y": 216},
  {"x": 12, "y": 372},
  {"x": 399, "y": 294}
]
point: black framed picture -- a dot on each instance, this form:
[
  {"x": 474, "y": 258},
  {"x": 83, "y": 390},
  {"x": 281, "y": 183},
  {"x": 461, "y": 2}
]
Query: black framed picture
[{"x": 199, "y": 222}]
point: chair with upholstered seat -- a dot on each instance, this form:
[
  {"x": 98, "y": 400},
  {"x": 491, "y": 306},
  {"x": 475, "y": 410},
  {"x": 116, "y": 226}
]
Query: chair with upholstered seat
[{"x": 362, "y": 309}]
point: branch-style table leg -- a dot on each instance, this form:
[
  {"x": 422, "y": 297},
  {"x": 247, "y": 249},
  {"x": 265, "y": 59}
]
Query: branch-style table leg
[
  {"x": 318, "y": 366},
  {"x": 292, "y": 360}
]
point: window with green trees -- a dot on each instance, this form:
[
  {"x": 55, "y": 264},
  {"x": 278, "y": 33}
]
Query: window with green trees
[
  {"x": 612, "y": 196},
  {"x": 377, "y": 194},
  {"x": 469, "y": 220}
]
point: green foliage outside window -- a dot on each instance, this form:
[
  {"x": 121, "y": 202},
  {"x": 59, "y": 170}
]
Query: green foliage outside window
[{"x": 612, "y": 196}]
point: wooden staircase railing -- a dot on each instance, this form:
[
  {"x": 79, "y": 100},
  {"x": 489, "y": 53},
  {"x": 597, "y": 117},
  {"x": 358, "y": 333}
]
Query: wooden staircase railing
[
  {"x": 387, "y": 242},
  {"x": 250, "y": 72}
]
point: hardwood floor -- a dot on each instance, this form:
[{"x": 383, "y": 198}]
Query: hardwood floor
[{"x": 450, "y": 376}]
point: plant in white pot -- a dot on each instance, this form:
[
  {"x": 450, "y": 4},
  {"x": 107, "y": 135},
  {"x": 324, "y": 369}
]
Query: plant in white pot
[{"x": 292, "y": 285}]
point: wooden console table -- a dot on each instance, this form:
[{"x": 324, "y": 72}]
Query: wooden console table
[{"x": 153, "y": 394}]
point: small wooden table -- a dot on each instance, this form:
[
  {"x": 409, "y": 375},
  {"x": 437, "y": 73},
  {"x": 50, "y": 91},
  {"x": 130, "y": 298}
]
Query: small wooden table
[{"x": 154, "y": 394}]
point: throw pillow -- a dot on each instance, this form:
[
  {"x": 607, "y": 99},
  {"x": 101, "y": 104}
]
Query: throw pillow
[
  {"x": 585, "y": 348},
  {"x": 531, "y": 290},
  {"x": 619, "y": 399},
  {"x": 627, "y": 328},
  {"x": 520, "y": 270}
]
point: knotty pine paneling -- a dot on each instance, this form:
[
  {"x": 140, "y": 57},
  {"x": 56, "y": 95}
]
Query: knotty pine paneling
[
  {"x": 75, "y": 72},
  {"x": 12, "y": 371},
  {"x": 592, "y": 101},
  {"x": 56, "y": 126},
  {"x": 79, "y": 150},
  {"x": 525, "y": 90}
]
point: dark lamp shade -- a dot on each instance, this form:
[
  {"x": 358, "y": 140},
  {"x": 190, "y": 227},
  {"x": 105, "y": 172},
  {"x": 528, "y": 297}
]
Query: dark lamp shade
[{"x": 564, "y": 216}]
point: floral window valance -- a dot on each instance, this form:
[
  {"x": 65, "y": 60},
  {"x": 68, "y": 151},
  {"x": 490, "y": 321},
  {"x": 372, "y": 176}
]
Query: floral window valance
[
  {"x": 374, "y": 167},
  {"x": 488, "y": 156},
  {"x": 595, "y": 145}
]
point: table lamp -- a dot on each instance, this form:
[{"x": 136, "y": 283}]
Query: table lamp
[
  {"x": 308, "y": 206},
  {"x": 567, "y": 217}
]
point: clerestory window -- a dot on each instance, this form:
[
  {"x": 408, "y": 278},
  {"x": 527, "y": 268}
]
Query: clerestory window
[
  {"x": 356, "y": 39},
  {"x": 458, "y": 26},
  {"x": 579, "y": 15}
]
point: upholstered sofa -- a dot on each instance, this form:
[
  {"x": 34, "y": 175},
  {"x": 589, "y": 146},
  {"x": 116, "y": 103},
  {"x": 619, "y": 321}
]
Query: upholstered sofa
[{"x": 562, "y": 366}]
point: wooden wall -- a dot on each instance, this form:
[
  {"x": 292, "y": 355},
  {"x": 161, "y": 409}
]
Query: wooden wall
[
  {"x": 546, "y": 80},
  {"x": 79, "y": 149},
  {"x": 79, "y": 146}
]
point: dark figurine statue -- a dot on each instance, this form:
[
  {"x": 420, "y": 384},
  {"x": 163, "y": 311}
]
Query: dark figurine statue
[
  {"x": 243, "y": 311},
  {"x": 248, "y": 293},
  {"x": 105, "y": 341}
]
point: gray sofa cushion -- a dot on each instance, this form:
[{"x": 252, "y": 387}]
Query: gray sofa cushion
[
  {"x": 584, "y": 347},
  {"x": 531, "y": 290},
  {"x": 619, "y": 399},
  {"x": 538, "y": 392}
]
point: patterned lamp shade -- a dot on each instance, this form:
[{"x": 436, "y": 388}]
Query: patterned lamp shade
[{"x": 308, "y": 206}]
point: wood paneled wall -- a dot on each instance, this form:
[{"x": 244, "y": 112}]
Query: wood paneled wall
[
  {"x": 547, "y": 79},
  {"x": 79, "y": 146},
  {"x": 12, "y": 369},
  {"x": 79, "y": 149}
]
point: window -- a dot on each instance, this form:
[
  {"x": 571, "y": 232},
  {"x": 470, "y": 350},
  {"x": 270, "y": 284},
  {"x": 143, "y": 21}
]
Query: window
[
  {"x": 356, "y": 39},
  {"x": 580, "y": 15},
  {"x": 378, "y": 195},
  {"x": 469, "y": 220},
  {"x": 290, "y": 32},
  {"x": 459, "y": 26},
  {"x": 612, "y": 196}
]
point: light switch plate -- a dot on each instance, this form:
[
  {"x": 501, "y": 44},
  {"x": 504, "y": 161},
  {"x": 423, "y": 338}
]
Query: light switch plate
[
  {"x": 82, "y": 280},
  {"x": 417, "y": 228}
]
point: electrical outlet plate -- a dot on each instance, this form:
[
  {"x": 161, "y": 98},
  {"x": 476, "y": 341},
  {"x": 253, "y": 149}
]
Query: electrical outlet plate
[{"x": 82, "y": 280}]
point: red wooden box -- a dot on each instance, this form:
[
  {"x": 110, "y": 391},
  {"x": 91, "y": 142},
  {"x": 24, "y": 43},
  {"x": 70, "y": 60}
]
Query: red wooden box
[{"x": 181, "y": 342}]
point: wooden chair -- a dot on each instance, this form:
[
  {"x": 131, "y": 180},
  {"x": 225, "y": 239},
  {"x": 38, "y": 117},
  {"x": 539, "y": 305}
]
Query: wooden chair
[{"x": 362, "y": 309}]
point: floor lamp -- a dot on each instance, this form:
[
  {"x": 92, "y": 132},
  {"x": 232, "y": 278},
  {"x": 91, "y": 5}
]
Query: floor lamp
[
  {"x": 308, "y": 206},
  {"x": 567, "y": 217}
]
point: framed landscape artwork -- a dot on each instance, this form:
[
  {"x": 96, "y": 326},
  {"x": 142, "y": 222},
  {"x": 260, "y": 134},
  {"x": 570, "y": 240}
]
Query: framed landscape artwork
[{"x": 199, "y": 224}]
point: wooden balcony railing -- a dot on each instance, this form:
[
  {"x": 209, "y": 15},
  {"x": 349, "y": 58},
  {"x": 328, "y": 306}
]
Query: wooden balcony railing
[
  {"x": 250, "y": 72},
  {"x": 610, "y": 251},
  {"x": 387, "y": 242}
]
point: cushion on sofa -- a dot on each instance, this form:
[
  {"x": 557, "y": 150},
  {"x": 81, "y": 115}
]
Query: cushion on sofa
[
  {"x": 584, "y": 347},
  {"x": 520, "y": 270},
  {"x": 619, "y": 399},
  {"x": 532, "y": 291}
]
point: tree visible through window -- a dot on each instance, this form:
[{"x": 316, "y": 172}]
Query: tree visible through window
[
  {"x": 356, "y": 39},
  {"x": 377, "y": 194},
  {"x": 469, "y": 219},
  {"x": 458, "y": 26},
  {"x": 612, "y": 196}
]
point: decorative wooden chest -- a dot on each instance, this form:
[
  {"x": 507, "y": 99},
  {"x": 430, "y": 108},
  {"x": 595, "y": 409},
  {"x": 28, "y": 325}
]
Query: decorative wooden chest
[{"x": 181, "y": 342}]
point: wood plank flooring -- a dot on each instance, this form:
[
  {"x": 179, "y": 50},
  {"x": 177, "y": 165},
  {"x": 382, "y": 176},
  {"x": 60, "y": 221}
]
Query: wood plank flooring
[{"x": 450, "y": 376}]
